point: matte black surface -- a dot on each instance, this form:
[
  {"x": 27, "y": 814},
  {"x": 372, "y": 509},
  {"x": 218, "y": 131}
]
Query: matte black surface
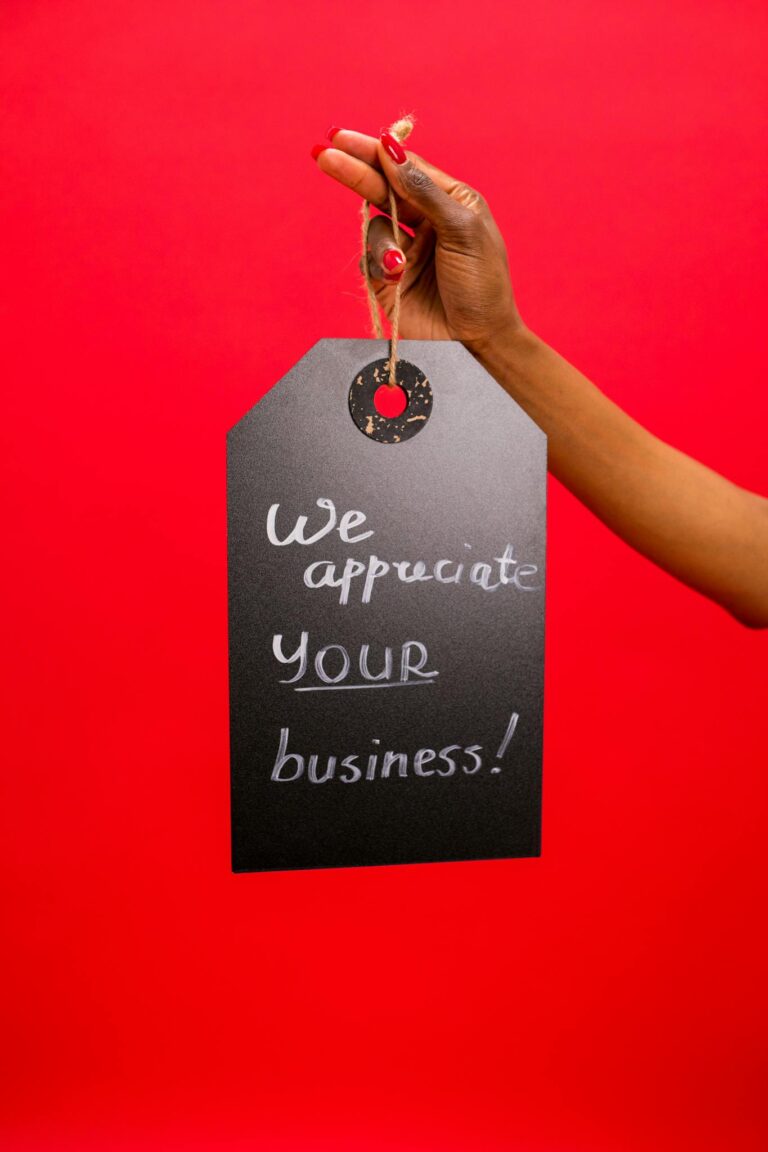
[
  {"x": 362, "y": 403},
  {"x": 470, "y": 484}
]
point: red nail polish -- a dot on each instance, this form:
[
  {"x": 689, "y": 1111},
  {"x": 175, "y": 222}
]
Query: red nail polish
[
  {"x": 318, "y": 148},
  {"x": 393, "y": 260},
  {"x": 393, "y": 147},
  {"x": 332, "y": 132}
]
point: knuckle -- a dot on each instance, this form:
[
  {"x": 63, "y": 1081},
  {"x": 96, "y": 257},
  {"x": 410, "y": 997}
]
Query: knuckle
[
  {"x": 416, "y": 180},
  {"x": 469, "y": 197},
  {"x": 480, "y": 202}
]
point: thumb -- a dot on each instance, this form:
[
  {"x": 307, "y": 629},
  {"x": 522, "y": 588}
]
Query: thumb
[{"x": 412, "y": 183}]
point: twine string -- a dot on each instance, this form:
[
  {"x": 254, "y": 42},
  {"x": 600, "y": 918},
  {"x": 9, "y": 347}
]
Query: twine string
[{"x": 401, "y": 130}]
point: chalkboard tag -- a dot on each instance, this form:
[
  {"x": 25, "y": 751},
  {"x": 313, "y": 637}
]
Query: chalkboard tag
[{"x": 386, "y": 615}]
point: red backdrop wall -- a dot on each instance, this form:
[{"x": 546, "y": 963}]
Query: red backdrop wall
[{"x": 170, "y": 251}]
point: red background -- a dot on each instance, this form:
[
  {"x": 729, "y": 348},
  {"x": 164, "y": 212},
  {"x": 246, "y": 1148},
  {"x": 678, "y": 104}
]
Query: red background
[{"x": 170, "y": 251}]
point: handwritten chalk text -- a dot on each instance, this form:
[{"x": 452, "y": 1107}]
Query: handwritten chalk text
[
  {"x": 332, "y": 665},
  {"x": 452, "y": 760},
  {"x": 363, "y": 575}
]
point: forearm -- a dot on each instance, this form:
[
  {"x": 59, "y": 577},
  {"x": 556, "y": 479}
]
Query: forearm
[{"x": 683, "y": 516}]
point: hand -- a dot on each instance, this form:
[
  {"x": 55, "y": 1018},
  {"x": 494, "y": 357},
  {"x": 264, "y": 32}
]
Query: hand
[{"x": 454, "y": 270}]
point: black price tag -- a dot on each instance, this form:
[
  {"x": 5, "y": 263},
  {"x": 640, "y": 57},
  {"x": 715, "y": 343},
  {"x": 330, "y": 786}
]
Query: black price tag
[{"x": 386, "y": 615}]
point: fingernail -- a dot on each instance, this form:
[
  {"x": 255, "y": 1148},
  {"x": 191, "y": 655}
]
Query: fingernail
[
  {"x": 332, "y": 132},
  {"x": 318, "y": 148},
  {"x": 393, "y": 147},
  {"x": 393, "y": 260}
]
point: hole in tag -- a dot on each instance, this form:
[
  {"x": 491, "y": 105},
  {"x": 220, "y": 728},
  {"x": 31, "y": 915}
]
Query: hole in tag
[
  {"x": 390, "y": 415},
  {"x": 390, "y": 401}
]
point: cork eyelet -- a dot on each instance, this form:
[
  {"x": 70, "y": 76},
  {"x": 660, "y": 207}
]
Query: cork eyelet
[{"x": 396, "y": 428}]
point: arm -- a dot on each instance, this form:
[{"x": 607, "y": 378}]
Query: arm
[
  {"x": 455, "y": 285},
  {"x": 695, "y": 524}
]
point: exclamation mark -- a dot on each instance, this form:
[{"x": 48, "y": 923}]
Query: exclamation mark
[{"x": 507, "y": 737}]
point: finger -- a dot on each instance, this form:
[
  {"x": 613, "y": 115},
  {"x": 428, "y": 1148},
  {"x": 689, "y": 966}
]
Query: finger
[
  {"x": 423, "y": 187},
  {"x": 457, "y": 189},
  {"x": 353, "y": 173},
  {"x": 418, "y": 250},
  {"x": 386, "y": 258},
  {"x": 367, "y": 148},
  {"x": 355, "y": 144},
  {"x": 358, "y": 175}
]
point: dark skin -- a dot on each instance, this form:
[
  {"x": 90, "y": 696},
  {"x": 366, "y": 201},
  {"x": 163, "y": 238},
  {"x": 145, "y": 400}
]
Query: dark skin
[{"x": 706, "y": 531}]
